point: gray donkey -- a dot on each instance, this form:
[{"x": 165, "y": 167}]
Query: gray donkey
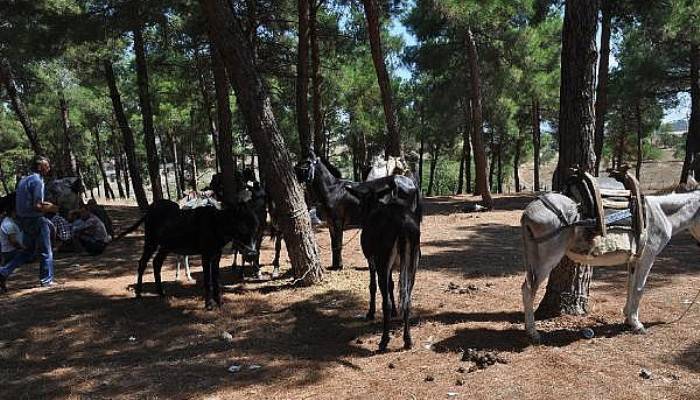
[{"x": 547, "y": 238}]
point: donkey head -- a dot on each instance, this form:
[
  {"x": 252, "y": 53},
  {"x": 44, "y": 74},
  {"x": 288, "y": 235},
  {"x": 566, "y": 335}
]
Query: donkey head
[{"x": 305, "y": 169}]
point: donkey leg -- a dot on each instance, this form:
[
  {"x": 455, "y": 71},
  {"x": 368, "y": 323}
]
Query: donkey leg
[
  {"x": 372, "y": 291},
  {"x": 394, "y": 313},
  {"x": 187, "y": 269},
  {"x": 206, "y": 266},
  {"x": 539, "y": 259},
  {"x": 384, "y": 288},
  {"x": 157, "y": 265},
  {"x": 148, "y": 251},
  {"x": 276, "y": 261},
  {"x": 216, "y": 286},
  {"x": 635, "y": 290},
  {"x": 336, "y": 231},
  {"x": 177, "y": 267}
]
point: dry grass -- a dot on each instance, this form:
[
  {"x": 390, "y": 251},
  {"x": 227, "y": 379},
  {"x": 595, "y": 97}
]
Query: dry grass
[{"x": 73, "y": 342}]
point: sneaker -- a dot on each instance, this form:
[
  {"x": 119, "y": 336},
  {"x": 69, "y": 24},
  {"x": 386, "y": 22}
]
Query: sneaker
[{"x": 49, "y": 284}]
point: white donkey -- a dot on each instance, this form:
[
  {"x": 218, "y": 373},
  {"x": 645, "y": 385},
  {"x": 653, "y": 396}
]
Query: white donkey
[{"x": 547, "y": 238}]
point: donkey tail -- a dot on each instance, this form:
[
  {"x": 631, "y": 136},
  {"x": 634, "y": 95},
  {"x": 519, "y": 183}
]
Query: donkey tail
[
  {"x": 409, "y": 250},
  {"x": 131, "y": 228}
]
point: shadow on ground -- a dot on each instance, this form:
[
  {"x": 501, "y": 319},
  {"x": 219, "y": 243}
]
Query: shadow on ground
[{"x": 57, "y": 343}]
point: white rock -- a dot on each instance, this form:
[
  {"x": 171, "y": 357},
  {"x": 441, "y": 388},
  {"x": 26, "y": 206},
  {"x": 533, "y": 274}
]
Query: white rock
[{"x": 234, "y": 368}]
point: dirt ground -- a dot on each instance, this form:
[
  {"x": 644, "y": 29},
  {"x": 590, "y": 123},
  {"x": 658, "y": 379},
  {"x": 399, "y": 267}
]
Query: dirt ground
[{"x": 89, "y": 338}]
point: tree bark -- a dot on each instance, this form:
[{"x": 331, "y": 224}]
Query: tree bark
[
  {"x": 693, "y": 137},
  {"x": 316, "y": 80},
  {"x": 640, "y": 149},
  {"x": 255, "y": 105},
  {"x": 149, "y": 137},
  {"x": 576, "y": 117},
  {"x": 433, "y": 165},
  {"x": 3, "y": 180},
  {"x": 223, "y": 109},
  {"x": 421, "y": 157},
  {"x": 393, "y": 142},
  {"x": 128, "y": 137},
  {"x": 7, "y": 79},
  {"x": 98, "y": 156},
  {"x": 499, "y": 173},
  {"x": 536, "y": 142},
  {"x": 516, "y": 163},
  {"x": 116, "y": 151},
  {"x": 302, "y": 91},
  {"x": 567, "y": 289},
  {"x": 460, "y": 175},
  {"x": 480, "y": 161},
  {"x": 67, "y": 166},
  {"x": 206, "y": 102},
  {"x": 601, "y": 103}
]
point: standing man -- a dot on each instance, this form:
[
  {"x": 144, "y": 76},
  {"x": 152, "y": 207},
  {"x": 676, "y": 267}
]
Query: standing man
[{"x": 30, "y": 208}]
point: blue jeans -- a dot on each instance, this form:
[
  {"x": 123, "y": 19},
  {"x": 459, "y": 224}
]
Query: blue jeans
[
  {"x": 8, "y": 256},
  {"x": 37, "y": 239}
]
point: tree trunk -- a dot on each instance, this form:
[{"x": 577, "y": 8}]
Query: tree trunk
[
  {"x": 149, "y": 137},
  {"x": 3, "y": 180},
  {"x": 67, "y": 167},
  {"x": 98, "y": 156},
  {"x": 468, "y": 162},
  {"x": 516, "y": 163},
  {"x": 480, "y": 161},
  {"x": 176, "y": 166},
  {"x": 433, "y": 166},
  {"x": 127, "y": 183},
  {"x": 319, "y": 138},
  {"x": 223, "y": 109},
  {"x": 7, "y": 80},
  {"x": 573, "y": 282},
  {"x": 116, "y": 152},
  {"x": 640, "y": 149},
  {"x": 393, "y": 142},
  {"x": 460, "y": 176},
  {"x": 601, "y": 103},
  {"x": 499, "y": 174},
  {"x": 692, "y": 147},
  {"x": 536, "y": 142},
  {"x": 206, "y": 102},
  {"x": 492, "y": 164},
  {"x": 576, "y": 117},
  {"x": 164, "y": 166},
  {"x": 567, "y": 289},
  {"x": 421, "y": 158},
  {"x": 255, "y": 105},
  {"x": 128, "y": 137},
  {"x": 303, "y": 78}
]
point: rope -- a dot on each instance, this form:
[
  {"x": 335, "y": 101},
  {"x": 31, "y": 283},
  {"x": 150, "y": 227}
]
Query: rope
[
  {"x": 692, "y": 303},
  {"x": 344, "y": 244}
]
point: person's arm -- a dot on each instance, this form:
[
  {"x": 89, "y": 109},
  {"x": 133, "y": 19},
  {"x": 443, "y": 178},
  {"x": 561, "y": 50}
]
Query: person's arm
[
  {"x": 12, "y": 236},
  {"x": 38, "y": 195},
  {"x": 14, "y": 242}
]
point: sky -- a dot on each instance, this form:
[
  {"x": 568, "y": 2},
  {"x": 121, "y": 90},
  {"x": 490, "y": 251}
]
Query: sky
[{"x": 398, "y": 29}]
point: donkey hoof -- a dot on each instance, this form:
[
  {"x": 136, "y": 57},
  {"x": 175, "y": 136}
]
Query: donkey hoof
[
  {"x": 382, "y": 347},
  {"x": 407, "y": 344},
  {"x": 369, "y": 316},
  {"x": 639, "y": 330},
  {"x": 535, "y": 338},
  {"x": 335, "y": 268}
]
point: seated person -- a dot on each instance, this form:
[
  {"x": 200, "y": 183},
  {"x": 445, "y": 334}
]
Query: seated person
[
  {"x": 90, "y": 232},
  {"x": 101, "y": 213},
  {"x": 61, "y": 233},
  {"x": 10, "y": 237}
]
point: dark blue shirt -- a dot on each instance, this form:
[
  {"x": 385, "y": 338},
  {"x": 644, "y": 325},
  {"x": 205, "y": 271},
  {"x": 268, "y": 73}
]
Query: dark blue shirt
[{"x": 30, "y": 191}]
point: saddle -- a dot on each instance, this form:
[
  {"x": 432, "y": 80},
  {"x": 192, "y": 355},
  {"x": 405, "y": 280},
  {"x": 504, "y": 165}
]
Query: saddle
[{"x": 609, "y": 204}]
